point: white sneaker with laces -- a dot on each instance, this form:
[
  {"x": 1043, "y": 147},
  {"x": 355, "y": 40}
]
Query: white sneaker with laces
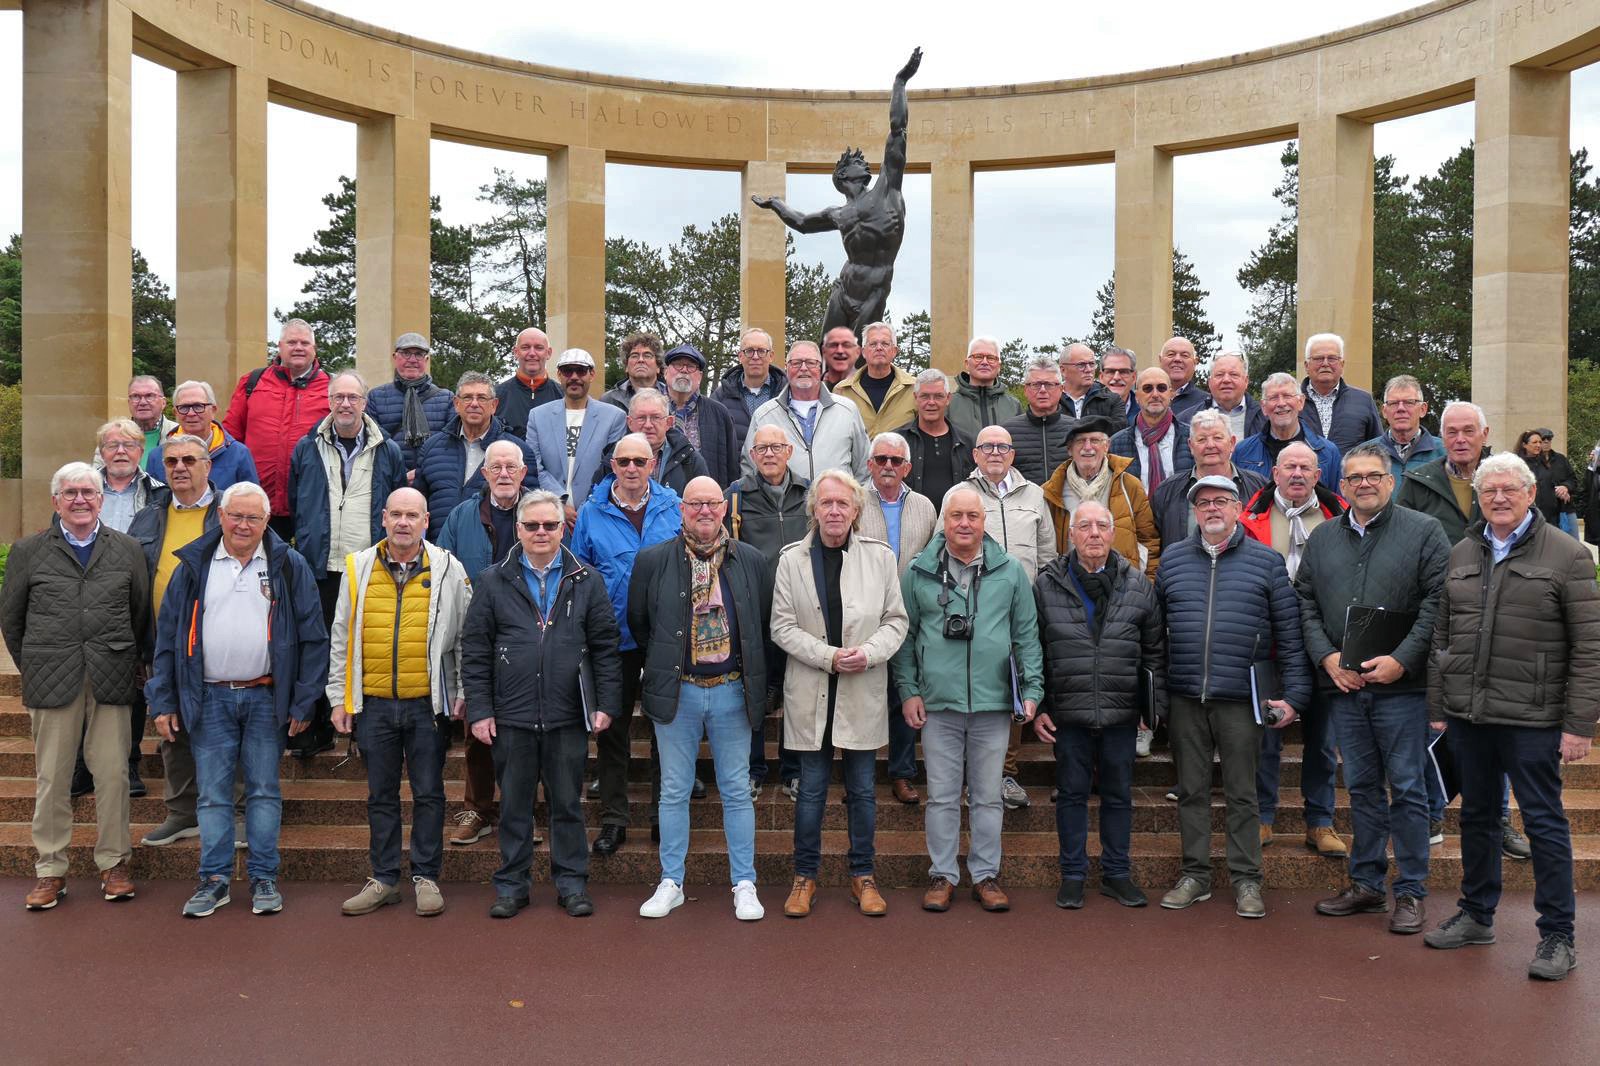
[
  {"x": 746, "y": 906},
  {"x": 1141, "y": 743},
  {"x": 668, "y": 897}
]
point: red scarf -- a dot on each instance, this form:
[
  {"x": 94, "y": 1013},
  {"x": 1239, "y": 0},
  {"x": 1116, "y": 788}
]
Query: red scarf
[{"x": 1152, "y": 441}]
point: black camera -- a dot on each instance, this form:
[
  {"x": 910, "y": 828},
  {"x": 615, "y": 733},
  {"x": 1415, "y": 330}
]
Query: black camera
[{"x": 957, "y": 627}]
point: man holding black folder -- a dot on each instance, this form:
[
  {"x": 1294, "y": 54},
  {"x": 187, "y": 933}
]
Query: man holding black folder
[{"x": 1369, "y": 585}]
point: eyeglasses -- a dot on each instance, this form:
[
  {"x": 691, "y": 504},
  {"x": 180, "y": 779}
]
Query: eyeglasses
[
  {"x": 502, "y": 468},
  {"x": 1117, "y": 370},
  {"x": 769, "y": 449},
  {"x": 1402, "y": 403},
  {"x": 1325, "y": 359},
  {"x": 172, "y": 462},
  {"x": 1155, "y": 386},
  {"x": 1364, "y": 479},
  {"x": 481, "y": 401},
  {"x": 1500, "y": 494},
  {"x": 701, "y": 505},
  {"x": 542, "y": 527},
  {"x": 890, "y": 460},
  {"x": 982, "y": 357},
  {"x": 191, "y": 408},
  {"x": 878, "y": 345},
  {"x": 804, "y": 364},
  {"x": 649, "y": 420},
  {"x": 411, "y": 357},
  {"x": 144, "y": 397},
  {"x": 1216, "y": 503},
  {"x": 119, "y": 446},
  {"x": 995, "y": 448},
  {"x": 78, "y": 494},
  {"x": 342, "y": 398},
  {"x": 1079, "y": 366},
  {"x": 245, "y": 519},
  {"x": 755, "y": 351},
  {"x": 1042, "y": 385},
  {"x": 630, "y": 460}
]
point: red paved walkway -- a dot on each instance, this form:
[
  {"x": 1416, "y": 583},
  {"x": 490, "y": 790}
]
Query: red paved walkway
[{"x": 93, "y": 981}]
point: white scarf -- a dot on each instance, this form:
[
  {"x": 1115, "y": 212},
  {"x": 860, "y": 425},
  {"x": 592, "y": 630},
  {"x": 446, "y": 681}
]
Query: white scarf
[{"x": 1297, "y": 527}]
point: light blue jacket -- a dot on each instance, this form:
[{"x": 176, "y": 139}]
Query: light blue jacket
[
  {"x": 606, "y": 541},
  {"x": 603, "y": 426}
]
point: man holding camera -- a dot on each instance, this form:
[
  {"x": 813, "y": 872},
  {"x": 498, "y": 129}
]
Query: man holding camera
[{"x": 972, "y": 649}]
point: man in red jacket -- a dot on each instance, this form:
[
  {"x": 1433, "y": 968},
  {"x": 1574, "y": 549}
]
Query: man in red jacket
[{"x": 273, "y": 407}]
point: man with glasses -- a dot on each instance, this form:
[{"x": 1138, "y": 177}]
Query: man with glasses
[
  {"x": 641, "y": 367},
  {"x": 705, "y": 423},
  {"x": 241, "y": 653},
  {"x": 940, "y": 452},
  {"x": 1178, "y": 359},
  {"x": 826, "y": 431},
  {"x": 1228, "y": 382},
  {"x": 980, "y": 400},
  {"x": 196, "y": 405},
  {"x": 1156, "y": 442},
  {"x": 74, "y": 613},
  {"x": 273, "y": 407},
  {"x": 147, "y": 406},
  {"x": 1211, "y": 445},
  {"x": 450, "y": 464},
  {"x": 569, "y": 438},
  {"x": 881, "y": 391},
  {"x": 841, "y": 355},
  {"x": 119, "y": 453},
  {"x": 755, "y": 381},
  {"x": 1283, "y": 402},
  {"x": 394, "y": 679},
  {"x": 342, "y": 472},
  {"x": 530, "y": 386},
  {"x": 1117, "y": 369},
  {"x": 627, "y": 512},
  {"x": 1407, "y": 441},
  {"x": 677, "y": 462},
  {"x": 1081, "y": 395},
  {"x": 1039, "y": 434},
  {"x": 1091, "y": 472},
  {"x": 1334, "y": 408},
  {"x": 411, "y": 408},
  {"x": 1377, "y": 556}
]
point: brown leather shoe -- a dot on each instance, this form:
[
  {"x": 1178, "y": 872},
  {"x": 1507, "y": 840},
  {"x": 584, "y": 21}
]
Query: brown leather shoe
[
  {"x": 988, "y": 894},
  {"x": 1325, "y": 842},
  {"x": 864, "y": 890},
  {"x": 1266, "y": 834},
  {"x": 940, "y": 893},
  {"x": 1355, "y": 899},
  {"x": 798, "y": 905},
  {"x": 1408, "y": 917},
  {"x": 117, "y": 882},
  {"x": 46, "y": 894},
  {"x": 906, "y": 792}
]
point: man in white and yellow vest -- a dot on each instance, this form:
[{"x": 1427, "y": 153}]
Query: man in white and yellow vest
[{"x": 394, "y": 678}]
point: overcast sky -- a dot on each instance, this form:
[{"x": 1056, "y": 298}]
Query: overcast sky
[{"x": 1044, "y": 237}]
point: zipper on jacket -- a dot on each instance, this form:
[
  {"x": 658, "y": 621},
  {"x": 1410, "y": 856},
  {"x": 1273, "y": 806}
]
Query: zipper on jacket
[
  {"x": 1211, "y": 600},
  {"x": 399, "y": 611}
]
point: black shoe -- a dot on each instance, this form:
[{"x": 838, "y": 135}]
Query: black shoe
[
  {"x": 1070, "y": 895},
  {"x": 310, "y": 749},
  {"x": 135, "y": 783},
  {"x": 507, "y": 906},
  {"x": 1513, "y": 845},
  {"x": 578, "y": 905},
  {"x": 610, "y": 839},
  {"x": 1123, "y": 890},
  {"x": 82, "y": 782},
  {"x": 697, "y": 790}
]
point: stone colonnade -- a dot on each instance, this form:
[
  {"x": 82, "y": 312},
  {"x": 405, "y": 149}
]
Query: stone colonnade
[{"x": 233, "y": 56}]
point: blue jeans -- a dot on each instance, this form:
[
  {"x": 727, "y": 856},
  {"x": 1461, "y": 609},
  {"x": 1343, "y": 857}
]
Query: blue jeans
[
  {"x": 389, "y": 732},
  {"x": 718, "y": 715},
  {"x": 1532, "y": 758},
  {"x": 861, "y": 805},
  {"x": 237, "y": 727},
  {"x": 1384, "y": 735},
  {"x": 1569, "y": 524},
  {"x": 902, "y": 741},
  {"x": 1080, "y": 753},
  {"x": 1318, "y": 762}
]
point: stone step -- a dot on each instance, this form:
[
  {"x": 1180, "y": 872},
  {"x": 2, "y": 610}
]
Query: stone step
[
  {"x": 336, "y": 802},
  {"x": 339, "y": 853}
]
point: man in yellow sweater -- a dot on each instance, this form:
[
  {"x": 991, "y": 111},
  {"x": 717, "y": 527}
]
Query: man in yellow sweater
[{"x": 394, "y": 679}]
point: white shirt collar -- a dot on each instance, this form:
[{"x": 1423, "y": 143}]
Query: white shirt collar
[{"x": 222, "y": 552}]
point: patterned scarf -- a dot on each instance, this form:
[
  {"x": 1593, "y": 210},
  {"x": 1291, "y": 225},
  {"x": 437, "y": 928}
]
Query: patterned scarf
[
  {"x": 1152, "y": 435},
  {"x": 709, "y": 639},
  {"x": 687, "y": 419},
  {"x": 1297, "y": 528},
  {"x": 1096, "y": 489}
]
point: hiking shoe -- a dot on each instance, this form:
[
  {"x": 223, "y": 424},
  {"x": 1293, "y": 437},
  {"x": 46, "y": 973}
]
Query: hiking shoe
[
  {"x": 1457, "y": 931},
  {"x": 1553, "y": 959}
]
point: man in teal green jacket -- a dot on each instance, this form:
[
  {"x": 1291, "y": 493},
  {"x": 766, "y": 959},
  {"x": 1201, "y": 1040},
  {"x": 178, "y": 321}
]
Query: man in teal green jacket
[{"x": 970, "y": 661}]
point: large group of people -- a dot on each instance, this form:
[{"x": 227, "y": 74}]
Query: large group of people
[{"x": 890, "y": 557}]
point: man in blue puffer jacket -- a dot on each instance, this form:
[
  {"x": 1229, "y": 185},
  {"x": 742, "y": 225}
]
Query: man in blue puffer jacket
[
  {"x": 453, "y": 464},
  {"x": 1229, "y": 606},
  {"x": 410, "y": 407}
]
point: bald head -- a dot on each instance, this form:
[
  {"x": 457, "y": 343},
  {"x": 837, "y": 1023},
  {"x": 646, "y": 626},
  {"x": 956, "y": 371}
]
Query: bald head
[
  {"x": 1177, "y": 358},
  {"x": 532, "y": 349},
  {"x": 993, "y": 453},
  {"x": 1296, "y": 472},
  {"x": 405, "y": 521}
]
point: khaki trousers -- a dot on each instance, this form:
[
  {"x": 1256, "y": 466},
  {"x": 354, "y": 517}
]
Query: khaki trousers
[{"x": 106, "y": 734}]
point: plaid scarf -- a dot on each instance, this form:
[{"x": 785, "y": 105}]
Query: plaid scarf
[{"x": 709, "y": 638}]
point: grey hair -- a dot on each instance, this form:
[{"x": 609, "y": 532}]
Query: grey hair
[
  {"x": 647, "y": 396},
  {"x": 1503, "y": 463},
  {"x": 126, "y": 426},
  {"x": 1210, "y": 417},
  {"x": 893, "y": 440},
  {"x": 930, "y": 376},
  {"x": 536, "y": 497},
  {"x": 797, "y": 345},
  {"x": 1402, "y": 381},
  {"x": 1046, "y": 363},
  {"x": 1370, "y": 449},
  {"x": 1318, "y": 338},
  {"x": 1483, "y": 419},
  {"x": 858, "y": 495},
  {"x": 754, "y": 329},
  {"x": 475, "y": 377},
  {"x": 75, "y": 474},
  {"x": 211, "y": 394},
  {"x": 151, "y": 378},
  {"x": 247, "y": 488},
  {"x": 348, "y": 374},
  {"x": 1244, "y": 360},
  {"x": 1133, "y": 360},
  {"x": 298, "y": 323},
  {"x": 879, "y": 327},
  {"x": 186, "y": 438},
  {"x": 1280, "y": 378},
  {"x": 505, "y": 445},
  {"x": 974, "y": 342}
]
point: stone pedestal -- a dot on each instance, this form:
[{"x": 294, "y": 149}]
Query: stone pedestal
[
  {"x": 1143, "y": 263},
  {"x": 950, "y": 296},
  {"x": 1334, "y": 242},
  {"x": 393, "y": 240},
  {"x": 763, "y": 282},
  {"x": 575, "y": 274}
]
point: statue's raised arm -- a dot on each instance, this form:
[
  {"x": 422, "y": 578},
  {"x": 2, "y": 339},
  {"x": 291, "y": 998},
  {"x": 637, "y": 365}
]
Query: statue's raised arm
[{"x": 894, "y": 149}]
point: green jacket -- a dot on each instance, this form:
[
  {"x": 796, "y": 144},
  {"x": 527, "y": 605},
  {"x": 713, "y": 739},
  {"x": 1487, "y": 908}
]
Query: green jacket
[
  {"x": 1427, "y": 489},
  {"x": 970, "y": 675}
]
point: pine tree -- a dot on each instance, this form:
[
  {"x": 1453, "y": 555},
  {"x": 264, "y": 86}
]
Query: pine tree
[{"x": 331, "y": 307}]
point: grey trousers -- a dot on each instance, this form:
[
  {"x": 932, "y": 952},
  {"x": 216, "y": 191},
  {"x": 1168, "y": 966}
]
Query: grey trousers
[
  {"x": 182, "y": 791},
  {"x": 1198, "y": 730},
  {"x": 965, "y": 748}
]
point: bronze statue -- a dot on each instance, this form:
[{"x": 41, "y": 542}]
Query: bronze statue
[{"x": 871, "y": 222}]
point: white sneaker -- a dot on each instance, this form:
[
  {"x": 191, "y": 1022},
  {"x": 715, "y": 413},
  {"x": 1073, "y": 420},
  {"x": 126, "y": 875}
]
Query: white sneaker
[
  {"x": 1141, "y": 743},
  {"x": 746, "y": 907},
  {"x": 668, "y": 897}
]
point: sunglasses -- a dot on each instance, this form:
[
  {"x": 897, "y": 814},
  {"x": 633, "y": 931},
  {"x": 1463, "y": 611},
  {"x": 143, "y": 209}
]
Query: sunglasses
[
  {"x": 890, "y": 460},
  {"x": 1155, "y": 387},
  {"x": 174, "y": 461},
  {"x": 546, "y": 527},
  {"x": 630, "y": 460},
  {"x": 573, "y": 371}
]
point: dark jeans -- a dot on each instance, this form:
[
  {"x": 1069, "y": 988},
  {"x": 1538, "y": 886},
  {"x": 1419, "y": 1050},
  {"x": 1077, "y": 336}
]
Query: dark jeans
[
  {"x": 1080, "y": 754},
  {"x": 788, "y": 761},
  {"x": 522, "y": 758},
  {"x": 1436, "y": 798},
  {"x": 612, "y": 749},
  {"x": 320, "y": 731},
  {"x": 1383, "y": 736},
  {"x": 1319, "y": 762},
  {"x": 902, "y": 741},
  {"x": 479, "y": 793},
  {"x": 1532, "y": 758},
  {"x": 1200, "y": 730},
  {"x": 861, "y": 806},
  {"x": 390, "y": 731}
]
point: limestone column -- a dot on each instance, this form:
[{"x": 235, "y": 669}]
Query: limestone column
[
  {"x": 575, "y": 241},
  {"x": 1520, "y": 238},
  {"x": 222, "y": 226},
  {"x": 763, "y": 281},
  {"x": 951, "y": 265},
  {"x": 77, "y": 263},
  {"x": 1143, "y": 258},
  {"x": 1334, "y": 241},
  {"x": 393, "y": 239}
]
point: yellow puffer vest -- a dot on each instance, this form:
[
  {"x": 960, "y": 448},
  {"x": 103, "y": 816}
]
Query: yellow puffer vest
[{"x": 394, "y": 635}]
